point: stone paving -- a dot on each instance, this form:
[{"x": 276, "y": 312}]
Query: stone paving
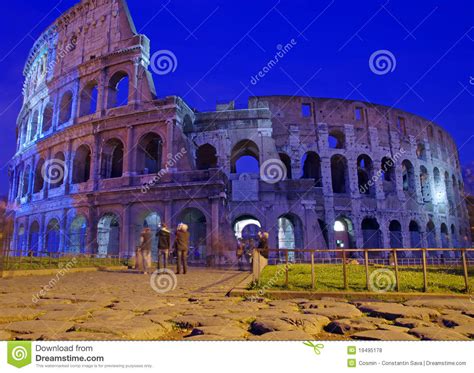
[{"x": 123, "y": 306}]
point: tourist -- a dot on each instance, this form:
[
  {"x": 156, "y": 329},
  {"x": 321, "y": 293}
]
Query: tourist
[
  {"x": 240, "y": 253},
  {"x": 181, "y": 245},
  {"x": 145, "y": 248},
  {"x": 263, "y": 243},
  {"x": 164, "y": 243}
]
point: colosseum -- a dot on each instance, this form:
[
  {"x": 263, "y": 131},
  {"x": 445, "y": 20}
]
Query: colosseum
[{"x": 99, "y": 156}]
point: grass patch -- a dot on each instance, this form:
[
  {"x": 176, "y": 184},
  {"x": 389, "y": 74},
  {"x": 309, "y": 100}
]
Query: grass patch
[
  {"x": 27, "y": 263},
  {"x": 329, "y": 277}
]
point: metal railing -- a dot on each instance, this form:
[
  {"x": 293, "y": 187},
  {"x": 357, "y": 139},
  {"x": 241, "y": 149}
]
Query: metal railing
[{"x": 342, "y": 256}]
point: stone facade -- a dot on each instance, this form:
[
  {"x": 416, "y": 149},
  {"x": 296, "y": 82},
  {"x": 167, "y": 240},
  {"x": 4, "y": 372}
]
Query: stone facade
[{"x": 99, "y": 156}]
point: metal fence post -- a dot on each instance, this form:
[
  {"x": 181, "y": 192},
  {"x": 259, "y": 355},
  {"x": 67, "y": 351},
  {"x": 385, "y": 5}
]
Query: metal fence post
[
  {"x": 312, "y": 271},
  {"x": 464, "y": 266},
  {"x": 395, "y": 260},
  {"x": 425, "y": 276},
  {"x": 344, "y": 268},
  {"x": 286, "y": 268},
  {"x": 366, "y": 260}
]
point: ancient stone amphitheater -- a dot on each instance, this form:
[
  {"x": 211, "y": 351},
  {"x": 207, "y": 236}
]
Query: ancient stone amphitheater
[{"x": 99, "y": 156}]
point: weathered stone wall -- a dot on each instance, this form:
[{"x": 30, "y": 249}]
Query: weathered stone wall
[{"x": 94, "y": 47}]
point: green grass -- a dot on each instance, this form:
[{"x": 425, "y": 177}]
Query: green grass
[
  {"x": 26, "y": 263},
  {"x": 329, "y": 277}
]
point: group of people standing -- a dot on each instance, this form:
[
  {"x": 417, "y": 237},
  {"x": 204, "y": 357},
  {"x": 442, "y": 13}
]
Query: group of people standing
[
  {"x": 180, "y": 246},
  {"x": 245, "y": 248}
]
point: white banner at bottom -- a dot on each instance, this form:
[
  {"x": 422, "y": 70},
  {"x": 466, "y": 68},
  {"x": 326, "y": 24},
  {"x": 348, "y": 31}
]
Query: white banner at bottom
[{"x": 236, "y": 356}]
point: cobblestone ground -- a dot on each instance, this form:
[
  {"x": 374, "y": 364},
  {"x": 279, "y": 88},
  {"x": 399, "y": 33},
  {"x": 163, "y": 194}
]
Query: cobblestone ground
[{"x": 123, "y": 306}]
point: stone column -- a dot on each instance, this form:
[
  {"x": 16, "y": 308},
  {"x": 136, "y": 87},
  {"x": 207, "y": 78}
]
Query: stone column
[
  {"x": 125, "y": 249},
  {"x": 169, "y": 149},
  {"x": 69, "y": 168},
  {"x": 46, "y": 185},
  {"x": 130, "y": 151},
  {"x": 63, "y": 241},
  {"x": 27, "y": 235},
  {"x": 42, "y": 233},
  {"x": 101, "y": 92},
  {"x": 385, "y": 233},
  {"x": 214, "y": 236},
  {"x": 31, "y": 178},
  {"x": 92, "y": 230},
  {"x": 310, "y": 221},
  {"x": 330, "y": 219}
]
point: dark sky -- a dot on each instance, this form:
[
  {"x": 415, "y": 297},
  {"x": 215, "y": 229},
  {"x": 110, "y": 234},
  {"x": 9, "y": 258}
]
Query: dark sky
[{"x": 221, "y": 44}]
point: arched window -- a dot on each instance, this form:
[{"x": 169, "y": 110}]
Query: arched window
[
  {"x": 77, "y": 235},
  {"x": 344, "y": 233},
  {"x": 395, "y": 230},
  {"x": 26, "y": 181},
  {"x": 444, "y": 236},
  {"x": 339, "y": 174},
  {"x": 415, "y": 235},
  {"x": 21, "y": 241},
  {"x": 89, "y": 99},
  {"x": 81, "y": 165},
  {"x": 364, "y": 175},
  {"x": 52, "y": 236},
  {"x": 54, "y": 170},
  {"x": 206, "y": 157},
  {"x": 149, "y": 154},
  {"x": 118, "y": 90},
  {"x": 39, "y": 181},
  {"x": 431, "y": 234},
  {"x": 47, "y": 118},
  {"x": 197, "y": 227},
  {"x": 421, "y": 151},
  {"x": 408, "y": 176},
  {"x": 108, "y": 235},
  {"x": 286, "y": 160},
  {"x": 34, "y": 125},
  {"x": 34, "y": 238},
  {"x": 388, "y": 173},
  {"x": 454, "y": 237},
  {"x": 65, "y": 107},
  {"x": 336, "y": 139},
  {"x": 245, "y": 157},
  {"x": 425, "y": 184},
  {"x": 371, "y": 233},
  {"x": 311, "y": 167},
  {"x": 112, "y": 159},
  {"x": 290, "y": 235}
]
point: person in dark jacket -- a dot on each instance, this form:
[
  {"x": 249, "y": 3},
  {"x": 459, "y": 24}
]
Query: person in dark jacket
[
  {"x": 263, "y": 243},
  {"x": 164, "y": 243},
  {"x": 181, "y": 245}
]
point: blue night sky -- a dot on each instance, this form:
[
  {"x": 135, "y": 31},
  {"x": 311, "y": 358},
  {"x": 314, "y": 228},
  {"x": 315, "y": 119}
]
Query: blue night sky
[{"x": 220, "y": 45}]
